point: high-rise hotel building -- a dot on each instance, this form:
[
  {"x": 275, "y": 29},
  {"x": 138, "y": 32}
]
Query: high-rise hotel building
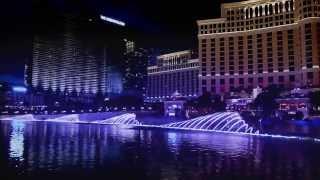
[
  {"x": 259, "y": 43},
  {"x": 72, "y": 56},
  {"x": 134, "y": 70},
  {"x": 175, "y": 73},
  {"x": 62, "y": 65}
]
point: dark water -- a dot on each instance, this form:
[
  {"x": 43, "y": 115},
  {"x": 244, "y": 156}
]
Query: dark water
[{"x": 39, "y": 150}]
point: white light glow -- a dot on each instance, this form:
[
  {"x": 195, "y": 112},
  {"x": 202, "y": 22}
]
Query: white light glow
[
  {"x": 16, "y": 140},
  {"x": 19, "y": 89},
  {"x": 111, "y": 20}
]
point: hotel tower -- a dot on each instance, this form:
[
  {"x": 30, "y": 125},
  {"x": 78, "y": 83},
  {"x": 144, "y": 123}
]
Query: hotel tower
[
  {"x": 259, "y": 43},
  {"x": 73, "y": 56},
  {"x": 175, "y": 73}
]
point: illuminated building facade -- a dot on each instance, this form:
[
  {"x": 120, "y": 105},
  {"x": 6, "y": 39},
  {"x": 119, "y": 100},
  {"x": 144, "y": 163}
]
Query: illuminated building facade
[
  {"x": 66, "y": 62},
  {"x": 174, "y": 73},
  {"x": 12, "y": 96},
  {"x": 134, "y": 69},
  {"x": 114, "y": 80},
  {"x": 259, "y": 43}
]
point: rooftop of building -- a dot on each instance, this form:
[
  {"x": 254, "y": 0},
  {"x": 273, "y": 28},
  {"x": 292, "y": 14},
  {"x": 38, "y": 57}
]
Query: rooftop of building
[
  {"x": 209, "y": 21},
  {"x": 247, "y": 3},
  {"x": 240, "y": 4},
  {"x": 190, "y": 61},
  {"x": 174, "y": 54}
]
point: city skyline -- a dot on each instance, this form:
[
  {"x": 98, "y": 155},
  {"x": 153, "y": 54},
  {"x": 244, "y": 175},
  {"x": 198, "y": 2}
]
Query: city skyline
[
  {"x": 160, "y": 89},
  {"x": 169, "y": 31}
]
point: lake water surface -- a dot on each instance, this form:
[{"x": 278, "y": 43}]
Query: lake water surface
[{"x": 47, "y": 150}]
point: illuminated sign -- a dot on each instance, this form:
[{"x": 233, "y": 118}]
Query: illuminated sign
[
  {"x": 19, "y": 89},
  {"x": 111, "y": 20}
]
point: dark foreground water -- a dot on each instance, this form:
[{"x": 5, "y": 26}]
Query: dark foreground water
[{"x": 39, "y": 150}]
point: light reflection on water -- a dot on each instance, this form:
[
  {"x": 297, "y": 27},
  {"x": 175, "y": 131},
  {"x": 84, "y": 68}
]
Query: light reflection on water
[
  {"x": 109, "y": 151},
  {"x": 16, "y": 140}
]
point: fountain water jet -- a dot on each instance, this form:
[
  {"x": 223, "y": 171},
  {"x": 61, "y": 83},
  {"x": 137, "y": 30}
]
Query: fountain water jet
[
  {"x": 124, "y": 119},
  {"x": 27, "y": 117},
  {"x": 74, "y": 118},
  {"x": 226, "y": 122}
]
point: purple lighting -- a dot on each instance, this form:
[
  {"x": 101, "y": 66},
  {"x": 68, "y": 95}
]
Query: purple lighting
[
  {"x": 124, "y": 119},
  {"x": 226, "y": 121}
]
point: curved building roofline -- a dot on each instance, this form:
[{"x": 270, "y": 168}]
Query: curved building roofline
[{"x": 247, "y": 3}]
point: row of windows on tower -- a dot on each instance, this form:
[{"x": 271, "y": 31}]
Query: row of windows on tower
[
  {"x": 248, "y": 24},
  {"x": 270, "y": 9},
  {"x": 250, "y": 82},
  {"x": 310, "y": 11},
  {"x": 250, "y": 56},
  {"x": 262, "y": 16},
  {"x": 186, "y": 82},
  {"x": 173, "y": 67},
  {"x": 261, "y": 10}
]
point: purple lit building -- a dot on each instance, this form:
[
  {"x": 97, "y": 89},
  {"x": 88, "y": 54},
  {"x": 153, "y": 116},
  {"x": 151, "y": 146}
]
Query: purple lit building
[
  {"x": 134, "y": 69},
  {"x": 66, "y": 62},
  {"x": 71, "y": 58},
  {"x": 174, "y": 73}
]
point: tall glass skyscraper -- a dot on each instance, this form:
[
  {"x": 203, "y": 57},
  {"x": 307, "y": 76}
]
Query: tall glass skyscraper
[
  {"x": 71, "y": 56},
  {"x": 67, "y": 61},
  {"x": 135, "y": 69}
]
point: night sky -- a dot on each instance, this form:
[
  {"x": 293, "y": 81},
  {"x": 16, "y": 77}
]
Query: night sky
[{"x": 164, "y": 24}]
